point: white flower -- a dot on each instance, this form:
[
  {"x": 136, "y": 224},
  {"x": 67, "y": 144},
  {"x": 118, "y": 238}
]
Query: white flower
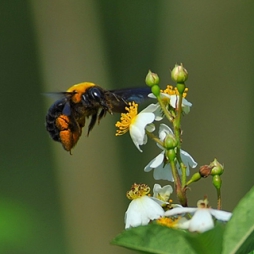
[
  {"x": 202, "y": 219},
  {"x": 163, "y": 171},
  {"x": 161, "y": 195},
  {"x": 141, "y": 211},
  {"x": 171, "y": 97},
  {"x": 136, "y": 124},
  {"x": 142, "y": 208}
]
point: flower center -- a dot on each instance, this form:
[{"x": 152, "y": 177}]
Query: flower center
[
  {"x": 127, "y": 119},
  {"x": 137, "y": 191},
  {"x": 203, "y": 203},
  {"x": 170, "y": 90},
  {"x": 169, "y": 222}
]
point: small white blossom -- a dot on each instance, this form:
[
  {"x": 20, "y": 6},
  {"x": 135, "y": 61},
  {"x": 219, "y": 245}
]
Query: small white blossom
[
  {"x": 163, "y": 171},
  {"x": 202, "y": 219},
  {"x": 161, "y": 195},
  {"x": 170, "y": 97},
  {"x": 142, "y": 208},
  {"x": 141, "y": 211},
  {"x": 136, "y": 124}
]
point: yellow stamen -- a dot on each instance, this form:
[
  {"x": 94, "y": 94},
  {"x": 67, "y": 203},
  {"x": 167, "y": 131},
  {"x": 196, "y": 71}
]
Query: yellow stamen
[
  {"x": 168, "y": 222},
  {"x": 137, "y": 191},
  {"x": 127, "y": 118},
  {"x": 170, "y": 90}
]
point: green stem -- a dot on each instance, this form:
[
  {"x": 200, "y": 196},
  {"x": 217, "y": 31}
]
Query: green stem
[
  {"x": 218, "y": 199},
  {"x": 182, "y": 166},
  {"x": 177, "y": 131},
  {"x": 154, "y": 138},
  {"x": 177, "y": 121},
  {"x": 165, "y": 110},
  {"x": 178, "y": 186}
]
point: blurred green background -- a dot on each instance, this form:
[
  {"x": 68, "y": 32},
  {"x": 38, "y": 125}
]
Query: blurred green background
[{"x": 53, "y": 202}]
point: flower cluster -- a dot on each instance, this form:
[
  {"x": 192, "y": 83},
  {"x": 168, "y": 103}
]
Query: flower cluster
[
  {"x": 172, "y": 163},
  {"x": 144, "y": 209},
  {"x": 140, "y": 125}
]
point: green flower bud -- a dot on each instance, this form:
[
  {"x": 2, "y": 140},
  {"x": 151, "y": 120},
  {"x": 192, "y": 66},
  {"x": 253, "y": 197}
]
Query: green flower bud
[
  {"x": 179, "y": 74},
  {"x": 171, "y": 154},
  {"x": 170, "y": 142},
  {"x": 152, "y": 79},
  {"x": 217, "y": 182},
  {"x": 217, "y": 169},
  {"x": 195, "y": 177},
  {"x": 156, "y": 90}
]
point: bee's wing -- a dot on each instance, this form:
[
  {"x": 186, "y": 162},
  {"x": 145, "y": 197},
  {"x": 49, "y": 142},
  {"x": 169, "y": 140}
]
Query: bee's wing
[
  {"x": 57, "y": 95},
  {"x": 119, "y": 98}
]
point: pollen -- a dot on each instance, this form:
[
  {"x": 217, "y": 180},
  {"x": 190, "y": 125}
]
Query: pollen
[
  {"x": 168, "y": 222},
  {"x": 127, "y": 118},
  {"x": 137, "y": 191},
  {"x": 170, "y": 90}
]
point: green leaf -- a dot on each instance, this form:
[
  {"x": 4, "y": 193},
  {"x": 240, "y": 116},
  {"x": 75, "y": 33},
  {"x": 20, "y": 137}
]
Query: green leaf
[
  {"x": 239, "y": 232},
  {"x": 154, "y": 238},
  {"x": 209, "y": 242}
]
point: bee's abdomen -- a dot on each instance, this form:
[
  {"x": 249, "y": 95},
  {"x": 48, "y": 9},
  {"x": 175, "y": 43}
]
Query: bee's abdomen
[{"x": 53, "y": 113}]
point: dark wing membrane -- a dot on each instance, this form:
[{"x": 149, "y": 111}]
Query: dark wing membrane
[
  {"x": 119, "y": 98},
  {"x": 57, "y": 95}
]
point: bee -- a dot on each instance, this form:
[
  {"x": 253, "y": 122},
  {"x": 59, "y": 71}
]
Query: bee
[{"x": 67, "y": 116}]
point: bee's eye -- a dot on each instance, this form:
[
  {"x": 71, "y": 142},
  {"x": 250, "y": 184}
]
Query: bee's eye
[{"x": 95, "y": 93}]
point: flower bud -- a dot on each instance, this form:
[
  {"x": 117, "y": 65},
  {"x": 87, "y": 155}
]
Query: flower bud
[
  {"x": 170, "y": 142},
  {"x": 217, "y": 169},
  {"x": 179, "y": 74},
  {"x": 195, "y": 177},
  {"x": 205, "y": 170},
  {"x": 152, "y": 79}
]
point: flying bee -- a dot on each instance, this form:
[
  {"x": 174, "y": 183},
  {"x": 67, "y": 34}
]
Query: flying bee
[{"x": 67, "y": 116}]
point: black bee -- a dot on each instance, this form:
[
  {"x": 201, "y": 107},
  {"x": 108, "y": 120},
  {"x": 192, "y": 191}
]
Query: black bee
[{"x": 67, "y": 116}]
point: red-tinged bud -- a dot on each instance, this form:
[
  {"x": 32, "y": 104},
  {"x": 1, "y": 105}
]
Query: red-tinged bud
[
  {"x": 205, "y": 170},
  {"x": 179, "y": 74}
]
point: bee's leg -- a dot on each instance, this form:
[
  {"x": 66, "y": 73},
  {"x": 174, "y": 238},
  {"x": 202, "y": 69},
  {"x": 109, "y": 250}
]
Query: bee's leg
[
  {"x": 102, "y": 114},
  {"x": 92, "y": 123}
]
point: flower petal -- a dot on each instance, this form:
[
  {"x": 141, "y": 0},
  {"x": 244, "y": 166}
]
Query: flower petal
[
  {"x": 221, "y": 215},
  {"x": 162, "y": 193},
  {"x": 150, "y": 127},
  {"x": 164, "y": 130},
  {"x": 137, "y": 128},
  {"x": 180, "y": 210},
  {"x": 185, "y": 104},
  {"x": 150, "y": 108},
  {"x": 137, "y": 136},
  {"x": 163, "y": 173},
  {"x": 141, "y": 211},
  {"x": 188, "y": 161},
  {"x": 201, "y": 221},
  {"x": 155, "y": 162}
]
